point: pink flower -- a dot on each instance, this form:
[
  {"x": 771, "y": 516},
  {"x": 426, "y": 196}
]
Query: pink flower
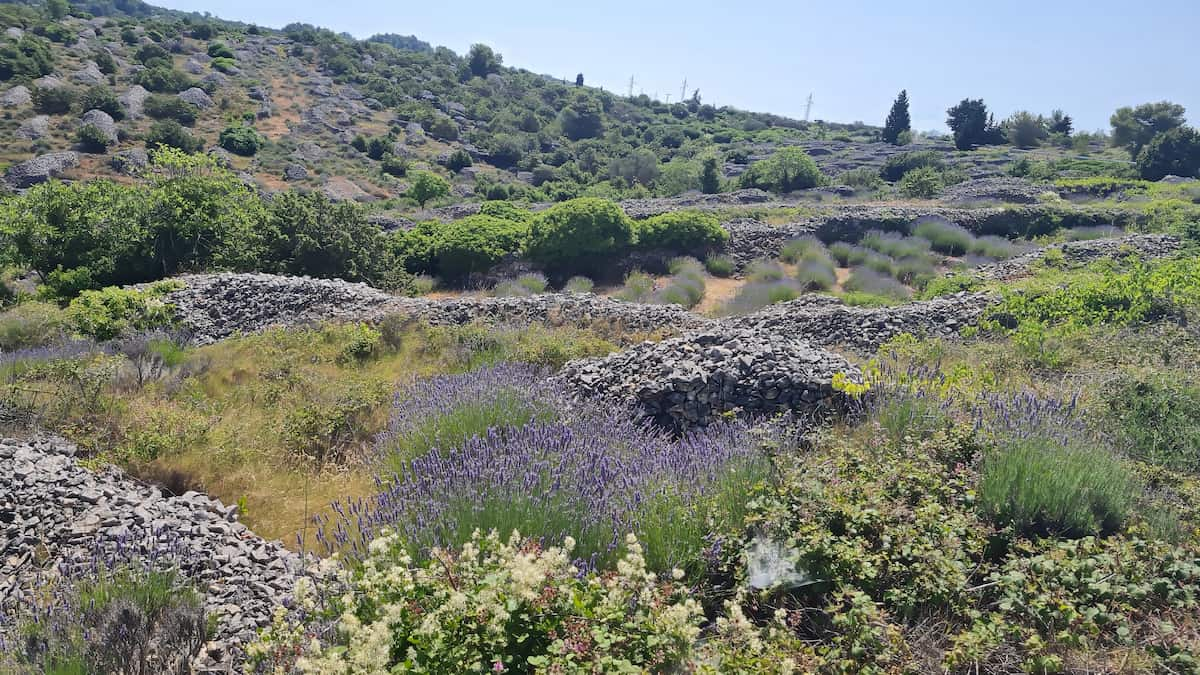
[{"x": 498, "y": 667}]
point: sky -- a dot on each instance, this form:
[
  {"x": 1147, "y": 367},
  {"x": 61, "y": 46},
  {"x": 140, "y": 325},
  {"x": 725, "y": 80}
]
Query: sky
[{"x": 1087, "y": 57}]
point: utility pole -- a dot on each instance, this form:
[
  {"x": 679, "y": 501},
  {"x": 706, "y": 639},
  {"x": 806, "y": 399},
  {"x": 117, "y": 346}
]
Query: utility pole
[
  {"x": 808, "y": 107},
  {"x": 630, "y": 86},
  {"x": 683, "y": 90}
]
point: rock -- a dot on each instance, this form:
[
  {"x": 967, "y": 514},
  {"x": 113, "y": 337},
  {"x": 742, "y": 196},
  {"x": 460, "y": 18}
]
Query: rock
[
  {"x": 193, "y": 67},
  {"x": 133, "y": 101},
  {"x": 216, "y": 79},
  {"x": 16, "y": 96},
  {"x": 294, "y": 172},
  {"x": 197, "y": 97},
  {"x": 14, "y": 33},
  {"x": 996, "y": 190},
  {"x": 309, "y": 152},
  {"x": 89, "y": 75},
  {"x": 40, "y": 169},
  {"x": 340, "y": 189},
  {"x": 101, "y": 121},
  {"x": 223, "y": 157},
  {"x": 130, "y": 161},
  {"x": 48, "y": 82},
  {"x": 34, "y": 128}
]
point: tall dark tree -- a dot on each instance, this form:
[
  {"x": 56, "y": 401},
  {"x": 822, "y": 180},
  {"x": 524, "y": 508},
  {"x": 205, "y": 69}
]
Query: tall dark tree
[
  {"x": 579, "y": 80},
  {"x": 482, "y": 61},
  {"x": 1061, "y": 123},
  {"x": 972, "y": 125},
  {"x": 897, "y": 120},
  {"x": 710, "y": 178},
  {"x": 1171, "y": 153},
  {"x": 1132, "y": 128}
]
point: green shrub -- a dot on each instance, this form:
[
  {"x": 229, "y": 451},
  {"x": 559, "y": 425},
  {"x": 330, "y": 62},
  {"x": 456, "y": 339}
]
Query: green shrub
[
  {"x": 476, "y": 243},
  {"x": 32, "y": 324},
  {"x": 458, "y": 160},
  {"x": 394, "y": 165},
  {"x": 532, "y": 282},
  {"x": 579, "y": 285},
  {"x": 241, "y": 140},
  {"x": 863, "y": 178},
  {"x": 225, "y": 65},
  {"x": 944, "y": 237},
  {"x": 1158, "y": 417},
  {"x": 506, "y": 210},
  {"x": 325, "y": 430},
  {"x": 815, "y": 271},
  {"x": 25, "y": 59},
  {"x": 1042, "y": 485},
  {"x": 638, "y": 287},
  {"x": 948, "y": 285},
  {"x": 682, "y": 231},
  {"x": 787, "y": 170},
  {"x": 92, "y": 139},
  {"x": 169, "y": 133},
  {"x": 362, "y": 343},
  {"x": 109, "y": 312},
  {"x": 719, "y": 265},
  {"x": 897, "y": 165},
  {"x": 101, "y": 97},
  {"x": 53, "y": 101},
  {"x": 923, "y": 183},
  {"x": 1173, "y": 153},
  {"x": 310, "y": 235},
  {"x": 579, "y": 232},
  {"x": 219, "y": 50},
  {"x": 792, "y": 251},
  {"x": 163, "y": 79},
  {"x": 166, "y": 107}
]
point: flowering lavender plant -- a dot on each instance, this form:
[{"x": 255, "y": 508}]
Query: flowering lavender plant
[{"x": 590, "y": 475}]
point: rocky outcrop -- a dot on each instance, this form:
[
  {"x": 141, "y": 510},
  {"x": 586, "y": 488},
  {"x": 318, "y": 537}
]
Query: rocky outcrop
[
  {"x": 102, "y": 122},
  {"x": 830, "y": 323},
  {"x": 15, "y": 97},
  {"x": 1142, "y": 246},
  {"x": 216, "y": 306},
  {"x": 56, "y": 515},
  {"x": 1002, "y": 190},
  {"x": 40, "y": 169},
  {"x": 34, "y": 128},
  {"x": 133, "y": 101},
  {"x": 697, "y": 378},
  {"x": 197, "y": 97}
]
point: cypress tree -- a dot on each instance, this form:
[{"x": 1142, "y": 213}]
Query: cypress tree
[{"x": 897, "y": 120}]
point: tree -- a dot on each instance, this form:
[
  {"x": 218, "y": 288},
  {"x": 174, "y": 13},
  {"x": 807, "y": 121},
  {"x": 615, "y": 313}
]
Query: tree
[
  {"x": 579, "y": 233},
  {"x": 482, "y": 61},
  {"x": 426, "y": 186},
  {"x": 579, "y": 80},
  {"x": 710, "y": 177},
  {"x": 1061, "y": 123},
  {"x": 171, "y": 134},
  {"x": 458, "y": 160},
  {"x": 26, "y": 59},
  {"x": 100, "y": 97},
  {"x": 1132, "y": 128},
  {"x": 972, "y": 125},
  {"x": 897, "y": 120},
  {"x": 1171, "y": 153},
  {"x": 57, "y": 9},
  {"x": 307, "y": 234},
  {"x": 476, "y": 243},
  {"x": 639, "y": 167},
  {"x": 1026, "y": 130},
  {"x": 241, "y": 140},
  {"x": 582, "y": 118}
]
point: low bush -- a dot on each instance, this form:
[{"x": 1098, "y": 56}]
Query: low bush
[
  {"x": 787, "y": 170},
  {"x": 167, "y": 107},
  {"x": 578, "y": 285},
  {"x": 922, "y": 183},
  {"x": 815, "y": 272},
  {"x": 792, "y": 251},
  {"x": 865, "y": 280},
  {"x": 92, "y": 139},
  {"x": 947, "y": 285},
  {"x": 944, "y": 236},
  {"x": 863, "y": 178},
  {"x": 53, "y": 100},
  {"x": 765, "y": 271},
  {"x": 1158, "y": 417},
  {"x": 897, "y": 165},
  {"x": 474, "y": 244},
  {"x": 894, "y": 244},
  {"x": 681, "y": 231},
  {"x": 506, "y": 210},
  {"x": 719, "y": 265},
  {"x": 394, "y": 165},
  {"x": 758, "y": 294},
  {"x": 169, "y": 133},
  {"x": 638, "y": 287},
  {"x": 107, "y": 313},
  {"x": 686, "y": 286},
  {"x": 32, "y": 324},
  {"x": 241, "y": 140},
  {"x": 579, "y": 233},
  {"x": 102, "y": 98}
]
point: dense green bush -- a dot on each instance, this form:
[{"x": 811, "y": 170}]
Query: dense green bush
[
  {"x": 92, "y": 139},
  {"x": 109, "y": 312},
  {"x": 475, "y": 243},
  {"x": 1171, "y": 153},
  {"x": 219, "y": 50},
  {"x": 681, "y": 231},
  {"x": 394, "y": 165},
  {"x": 787, "y": 170},
  {"x": 167, "y": 107},
  {"x": 26, "y": 59},
  {"x": 101, "y": 98},
  {"x": 171, "y": 134},
  {"x": 897, "y": 165},
  {"x": 922, "y": 183},
  {"x": 458, "y": 160},
  {"x": 580, "y": 231},
  {"x": 307, "y": 234},
  {"x": 426, "y": 186},
  {"x": 53, "y": 101},
  {"x": 163, "y": 79},
  {"x": 241, "y": 140},
  {"x": 32, "y": 324},
  {"x": 506, "y": 211},
  {"x": 719, "y": 265}
]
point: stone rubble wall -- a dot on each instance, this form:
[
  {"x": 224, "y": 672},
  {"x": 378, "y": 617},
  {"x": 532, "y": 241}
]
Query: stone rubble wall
[
  {"x": 1143, "y": 246},
  {"x": 55, "y": 512},
  {"x": 695, "y": 379}
]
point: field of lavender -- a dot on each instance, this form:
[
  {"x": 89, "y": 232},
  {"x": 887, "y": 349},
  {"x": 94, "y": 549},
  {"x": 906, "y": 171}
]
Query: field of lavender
[{"x": 1017, "y": 494}]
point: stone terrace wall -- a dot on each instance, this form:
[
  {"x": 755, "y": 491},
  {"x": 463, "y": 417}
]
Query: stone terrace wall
[
  {"x": 832, "y": 324},
  {"x": 694, "y": 379},
  {"x": 1143, "y": 246},
  {"x": 53, "y": 511},
  {"x": 216, "y": 306}
]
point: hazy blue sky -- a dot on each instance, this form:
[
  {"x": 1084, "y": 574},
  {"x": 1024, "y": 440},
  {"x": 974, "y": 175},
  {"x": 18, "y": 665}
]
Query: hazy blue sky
[{"x": 1087, "y": 57}]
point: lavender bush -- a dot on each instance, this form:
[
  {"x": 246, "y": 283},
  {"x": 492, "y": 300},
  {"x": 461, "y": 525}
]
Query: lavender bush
[{"x": 592, "y": 475}]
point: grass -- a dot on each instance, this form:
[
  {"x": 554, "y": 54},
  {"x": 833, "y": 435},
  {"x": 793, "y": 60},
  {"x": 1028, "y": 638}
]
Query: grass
[
  {"x": 1040, "y": 486},
  {"x": 719, "y": 265}
]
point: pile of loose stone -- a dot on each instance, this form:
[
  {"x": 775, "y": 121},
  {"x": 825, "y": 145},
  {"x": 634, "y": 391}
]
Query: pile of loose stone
[
  {"x": 1143, "y": 246},
  {"x": 829, "y": 322},
  {"x": 695, "y": 379},
  {"x": 216, "y": 306},
  {"x": 54, "y": 513}
]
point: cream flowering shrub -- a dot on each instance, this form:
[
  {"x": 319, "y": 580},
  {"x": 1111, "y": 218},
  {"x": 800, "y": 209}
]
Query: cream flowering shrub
[{"x": 501, "y": 606}]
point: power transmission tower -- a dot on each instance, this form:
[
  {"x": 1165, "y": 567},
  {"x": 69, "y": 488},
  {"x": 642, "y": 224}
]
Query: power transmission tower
[
  {"x": 808, "y": 107},
  {"x": 683, "y": 90},
  {"x": 630, "y": 86}
]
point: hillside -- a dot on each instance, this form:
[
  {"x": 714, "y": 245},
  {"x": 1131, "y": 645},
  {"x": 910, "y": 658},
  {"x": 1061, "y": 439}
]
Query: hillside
[{"x": 332, "y": 356}]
